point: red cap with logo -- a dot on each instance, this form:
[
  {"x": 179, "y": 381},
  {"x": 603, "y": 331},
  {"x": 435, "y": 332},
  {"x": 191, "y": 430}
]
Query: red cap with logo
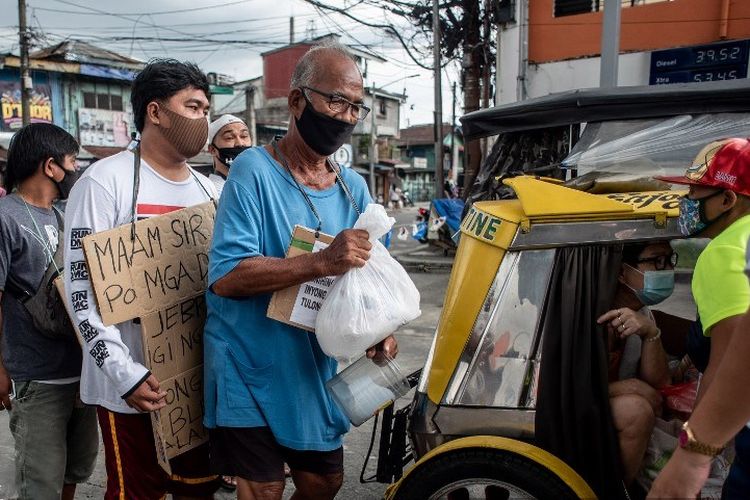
[{"x": 722, "y": 164}]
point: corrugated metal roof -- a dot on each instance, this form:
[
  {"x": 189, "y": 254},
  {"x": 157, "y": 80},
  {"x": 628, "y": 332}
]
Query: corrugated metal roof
[
  {"x": 83, "y": 52},
  {"x": 420, "y": 134}
]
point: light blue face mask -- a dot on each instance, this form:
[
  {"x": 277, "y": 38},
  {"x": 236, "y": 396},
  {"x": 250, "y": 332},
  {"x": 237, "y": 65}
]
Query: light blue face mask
[{"x": 657, "y": 286}]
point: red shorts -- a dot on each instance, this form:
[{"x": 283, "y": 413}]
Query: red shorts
[{"x": 133, "y": 470}]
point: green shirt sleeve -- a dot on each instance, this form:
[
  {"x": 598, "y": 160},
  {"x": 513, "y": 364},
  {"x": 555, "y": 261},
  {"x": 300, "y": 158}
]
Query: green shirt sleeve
[{"x": 720, "y": 286}]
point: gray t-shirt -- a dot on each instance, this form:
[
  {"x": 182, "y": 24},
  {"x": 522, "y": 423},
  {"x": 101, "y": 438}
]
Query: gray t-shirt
[{"x": 28, "y": 354}]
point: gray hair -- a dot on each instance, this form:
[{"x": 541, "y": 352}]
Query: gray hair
[{"x": 306, "y": 70}]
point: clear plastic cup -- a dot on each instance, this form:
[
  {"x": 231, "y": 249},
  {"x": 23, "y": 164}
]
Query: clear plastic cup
[{"x": 366, "y": 386}]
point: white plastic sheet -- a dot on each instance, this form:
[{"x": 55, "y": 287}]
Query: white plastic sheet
[
  {"x": 367, "y": 304},
  {"x": 658, "y": 146}
]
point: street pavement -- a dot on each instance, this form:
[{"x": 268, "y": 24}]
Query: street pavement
[{"x": 414, "y": 342}]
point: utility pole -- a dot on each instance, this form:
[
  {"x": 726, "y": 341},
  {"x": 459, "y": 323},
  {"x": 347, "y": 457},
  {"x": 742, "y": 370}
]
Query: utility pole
[
  {"x": 26, "y": 83},
  {"x": 373, "y": 143},
  {"x": 438, "y": 100},
  {"x": 291, "y": 30},
  {"x": 454, "y": 167},
  {"x": 472, "y": 72},
  {"x": 486, "y": 67},
  {"x": 250, "y": 113},
  {"x": 610, "y": 45}
]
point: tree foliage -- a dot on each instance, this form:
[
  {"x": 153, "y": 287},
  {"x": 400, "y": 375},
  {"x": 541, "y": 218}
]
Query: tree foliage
[{"x": 456, "y": 27}]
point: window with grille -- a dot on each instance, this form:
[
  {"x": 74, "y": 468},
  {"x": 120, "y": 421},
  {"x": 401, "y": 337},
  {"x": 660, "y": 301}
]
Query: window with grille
[
  {"x": 382, "y": 107},
  {"x": 89, "y": 100},
  {"x": 573, "y": 7},
  {"x": 115, "y": 102},
  {"x": 102, "y": 98}
]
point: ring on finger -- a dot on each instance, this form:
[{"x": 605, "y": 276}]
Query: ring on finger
[{"x": 622, "y": 326}]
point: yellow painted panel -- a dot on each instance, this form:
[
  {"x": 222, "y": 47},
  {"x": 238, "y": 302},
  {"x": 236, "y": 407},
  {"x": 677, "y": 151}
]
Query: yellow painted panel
[
  {"x": 484, "y": 226},
  {"x": 652, "y": 202},
  {"x": 509, "y": 210},
  {"x": 474, "y": 269},
  {"x": 544, "y": 199}
]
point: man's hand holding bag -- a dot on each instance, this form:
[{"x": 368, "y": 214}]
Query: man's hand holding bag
[{"x": 367, "y": 304}]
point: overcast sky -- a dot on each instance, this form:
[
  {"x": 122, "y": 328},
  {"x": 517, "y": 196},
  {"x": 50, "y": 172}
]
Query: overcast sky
[{"x": 227, "y": 37}]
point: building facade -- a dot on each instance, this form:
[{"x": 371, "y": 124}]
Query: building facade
[
  {"x": 79, "y": 87},
  {"x": 417, "y": 154},
  {"x": 548, "y": 46}
]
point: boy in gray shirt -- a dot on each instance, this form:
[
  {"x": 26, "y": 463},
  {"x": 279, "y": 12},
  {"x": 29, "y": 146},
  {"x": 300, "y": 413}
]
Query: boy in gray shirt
[{"x": 55, "y": 435}]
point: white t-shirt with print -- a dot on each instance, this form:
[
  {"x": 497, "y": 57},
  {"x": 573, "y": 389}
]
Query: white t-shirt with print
[
  {"x": 218, "y": 181},
  {"x": 113, "y": 363}
]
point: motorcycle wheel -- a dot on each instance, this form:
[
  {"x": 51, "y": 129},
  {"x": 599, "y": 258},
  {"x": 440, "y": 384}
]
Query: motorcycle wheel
[{"x": 485, "y": 474}]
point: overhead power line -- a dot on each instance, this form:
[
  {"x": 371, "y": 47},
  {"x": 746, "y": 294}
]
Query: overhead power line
[
  {"x": 388, "y": 28},
  {"x": 176, "y": 11},
  {"x": 174, "y": 25},
  {"x": 192, "y": 40}
]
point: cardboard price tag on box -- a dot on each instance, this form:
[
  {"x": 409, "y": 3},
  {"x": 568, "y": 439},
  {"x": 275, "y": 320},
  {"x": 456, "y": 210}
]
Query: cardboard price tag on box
[{"x": 299, "y": 305}]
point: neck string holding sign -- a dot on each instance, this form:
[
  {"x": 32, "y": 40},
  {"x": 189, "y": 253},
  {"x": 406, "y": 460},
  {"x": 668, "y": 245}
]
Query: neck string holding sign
[
  {"x": 137, "y": 185},
  {"x": 310, "y": 204}
]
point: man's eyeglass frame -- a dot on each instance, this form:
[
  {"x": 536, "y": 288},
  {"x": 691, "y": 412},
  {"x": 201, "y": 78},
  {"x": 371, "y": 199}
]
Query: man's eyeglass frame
[
  {"x": 333, "y": 99},
  {"x": 661, "y": 261}
]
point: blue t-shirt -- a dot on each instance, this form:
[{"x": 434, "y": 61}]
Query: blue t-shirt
[{"x": 258, "y": 371}]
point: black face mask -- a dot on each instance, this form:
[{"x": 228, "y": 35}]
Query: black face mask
[
  {"x": 66, "y": 184},
  {"x": 322, "y": 133},
  {"x": 227, "y": 155}
]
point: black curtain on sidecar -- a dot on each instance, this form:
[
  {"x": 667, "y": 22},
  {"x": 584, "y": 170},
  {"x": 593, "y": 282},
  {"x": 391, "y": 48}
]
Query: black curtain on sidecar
[{"x": 573, "y": 417}]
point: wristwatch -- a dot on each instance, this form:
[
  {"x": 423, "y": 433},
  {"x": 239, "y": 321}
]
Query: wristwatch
[{"x": 688, "y": 442}]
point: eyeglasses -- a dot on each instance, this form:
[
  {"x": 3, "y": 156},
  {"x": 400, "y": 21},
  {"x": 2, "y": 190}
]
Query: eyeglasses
[
  {"x": 661, "y": 262},
  {"x": 338, "y": 104}
]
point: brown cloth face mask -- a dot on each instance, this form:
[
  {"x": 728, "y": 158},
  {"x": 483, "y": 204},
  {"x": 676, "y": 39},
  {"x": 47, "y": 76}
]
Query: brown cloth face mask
[{"x": 187, "y": 135}]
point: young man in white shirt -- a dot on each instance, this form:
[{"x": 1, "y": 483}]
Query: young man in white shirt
[{"x": 170, "y": 104}]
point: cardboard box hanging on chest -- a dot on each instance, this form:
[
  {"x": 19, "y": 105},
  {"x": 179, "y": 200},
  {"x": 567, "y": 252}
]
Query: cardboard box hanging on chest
[
  {"x": 299, "y": 305},
  {"x": 156, "y": 271}
]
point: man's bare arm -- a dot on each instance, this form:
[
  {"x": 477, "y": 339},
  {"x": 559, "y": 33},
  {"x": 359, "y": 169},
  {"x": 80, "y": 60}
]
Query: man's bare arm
[
  {"x": 721, "y": 335},
  {"x": 256, "y": 275},
  {"x": 721, "y": 413}
]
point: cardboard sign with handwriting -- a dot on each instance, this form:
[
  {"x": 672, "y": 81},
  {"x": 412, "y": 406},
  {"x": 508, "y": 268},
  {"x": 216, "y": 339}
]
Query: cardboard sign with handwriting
[
  {"x": 166, "y": 262},
  {"x": 159, "y": 276},
  {"x": 173, "y": 348},
  {"x": 298, "y": 305}
]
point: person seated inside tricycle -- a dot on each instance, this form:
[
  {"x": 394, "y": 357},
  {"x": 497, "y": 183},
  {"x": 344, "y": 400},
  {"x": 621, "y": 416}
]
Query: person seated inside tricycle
[{"x": 638, "y": 361}]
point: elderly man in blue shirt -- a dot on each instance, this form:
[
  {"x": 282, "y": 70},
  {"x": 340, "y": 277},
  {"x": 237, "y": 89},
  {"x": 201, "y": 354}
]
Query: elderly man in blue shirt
[{"x": 266, "y": 401}]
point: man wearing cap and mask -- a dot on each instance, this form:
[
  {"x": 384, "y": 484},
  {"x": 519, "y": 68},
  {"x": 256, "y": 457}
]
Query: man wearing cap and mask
[
  {"x": 265, "y": 396},
  {"x": 717, "y": 207},
  {"x": 170, "y": 107},
  {"x": 228, "y": 136}
]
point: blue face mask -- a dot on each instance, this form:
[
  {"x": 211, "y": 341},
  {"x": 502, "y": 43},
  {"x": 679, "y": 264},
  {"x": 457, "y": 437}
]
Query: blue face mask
[
  {"x": 693, "y": 218},
  {"x": 657, "y": 286}
]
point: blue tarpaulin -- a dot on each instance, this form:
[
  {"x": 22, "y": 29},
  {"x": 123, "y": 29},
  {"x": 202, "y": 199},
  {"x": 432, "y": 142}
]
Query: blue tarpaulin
[
  {"x": 451, "y": 209},
  {"x": 107, "y": 72}
]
